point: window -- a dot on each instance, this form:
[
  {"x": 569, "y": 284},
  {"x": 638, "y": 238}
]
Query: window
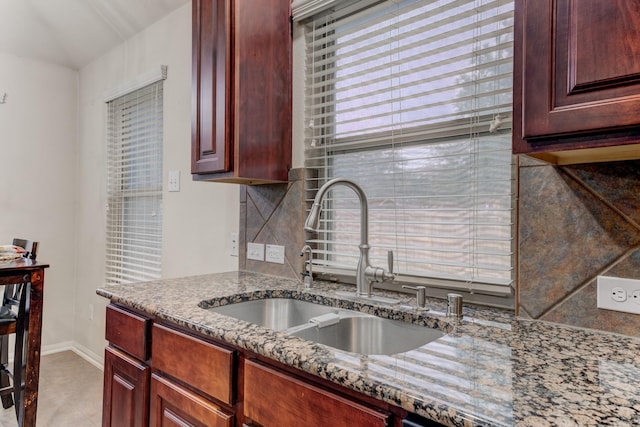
[
  {"x": 134, "y": 186},
  {"x": 412, "y": 100}
]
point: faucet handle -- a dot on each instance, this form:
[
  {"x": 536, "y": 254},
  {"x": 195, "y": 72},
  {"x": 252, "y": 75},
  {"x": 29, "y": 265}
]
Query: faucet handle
[
  {"x": 389, "y": 275},
  {"x": 379, "y": 274}
]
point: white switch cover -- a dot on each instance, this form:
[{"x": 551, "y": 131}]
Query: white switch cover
[
  {"x": 255, "y": 251},
  {"x": 174, "y": 181},
  {"x": 618, "y": 294},
  {"x": 234, "y": 244},
  {"x": 275, "y": 254}
]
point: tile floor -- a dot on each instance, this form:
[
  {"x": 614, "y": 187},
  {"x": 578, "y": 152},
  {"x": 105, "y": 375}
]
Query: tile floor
[{"x": 70, "y": 393}]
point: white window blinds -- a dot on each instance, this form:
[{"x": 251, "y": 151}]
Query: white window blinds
[
  {"x": 134, "y": 186},
  {"x": 412, "y": 100}
]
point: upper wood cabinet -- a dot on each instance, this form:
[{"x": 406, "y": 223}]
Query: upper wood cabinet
[
  {"x": 241, "y": 112},
  {"x": 577, "y": 80},
  {"x": 211, "y": 91}
]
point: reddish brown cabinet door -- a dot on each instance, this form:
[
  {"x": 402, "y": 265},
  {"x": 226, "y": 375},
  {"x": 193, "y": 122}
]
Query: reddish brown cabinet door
[
  {"x": 273, "y": 398},
  {"x": 262, "y": 89},
  {"x": 211, "y": 110},
  {"x": 241, "y": 113},
  {"x": 173, "y": 405},
  {"x": 126, "y": 391},
  {"x": 576, "y": 75},
  {"x": 206, "y": 367},
  {"x": 128, "y": 331}
]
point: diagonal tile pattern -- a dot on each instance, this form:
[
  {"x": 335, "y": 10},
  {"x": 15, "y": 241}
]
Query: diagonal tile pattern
[
  {"x": 618, "y": 183},
  {"x": 273, "y": 214},
  {"x": 577, "y": 222},
  {"x": 580, "y": 309}
]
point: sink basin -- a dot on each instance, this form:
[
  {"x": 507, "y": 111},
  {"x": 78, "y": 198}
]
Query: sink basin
[
  {"x": 371, "y": 335},
  {"x": 275, "y": 313},
  {"x": 347, "y": 329}
]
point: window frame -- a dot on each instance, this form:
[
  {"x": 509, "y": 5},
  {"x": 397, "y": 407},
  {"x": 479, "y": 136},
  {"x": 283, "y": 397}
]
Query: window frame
[
  {"x": 134, "y": 175},
  {"x": 477, "y": 292}
]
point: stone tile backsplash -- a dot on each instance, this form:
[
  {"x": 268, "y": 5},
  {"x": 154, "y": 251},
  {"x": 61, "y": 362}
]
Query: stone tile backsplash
[
  {"x": 273, "y": 214},
  {"x": 575, "y": 223}
]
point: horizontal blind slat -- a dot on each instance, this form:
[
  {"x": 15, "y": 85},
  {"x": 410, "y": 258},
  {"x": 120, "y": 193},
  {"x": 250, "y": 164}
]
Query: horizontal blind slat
[
  {"x": 134, "y": 186},
  {"x": 412, "y": 100}
]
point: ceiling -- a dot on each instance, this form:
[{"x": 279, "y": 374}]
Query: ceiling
[{"x": 73, "y": 33}]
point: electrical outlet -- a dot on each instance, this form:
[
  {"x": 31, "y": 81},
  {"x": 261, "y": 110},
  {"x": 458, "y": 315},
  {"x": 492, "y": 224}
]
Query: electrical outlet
[
  {"x": 234, "y": 244},
  {"x": 275, "y": 254},
  {"x": 255, "y": 251},
  {"x": 618, "y": 294}
]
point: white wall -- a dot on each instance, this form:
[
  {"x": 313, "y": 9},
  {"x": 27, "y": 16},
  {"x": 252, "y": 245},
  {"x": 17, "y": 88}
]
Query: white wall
[
  {"x": 197, "y": 220},
  {"x": 38, "y": 139}
]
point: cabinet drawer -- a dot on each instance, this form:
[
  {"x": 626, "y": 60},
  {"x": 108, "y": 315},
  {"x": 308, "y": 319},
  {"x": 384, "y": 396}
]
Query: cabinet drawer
[
  {"x": 205, "y": 366},
  {"x": 128, "y": 331},
  {"x": 272, "y": 398},
  {"x": 173, "y": 405}
]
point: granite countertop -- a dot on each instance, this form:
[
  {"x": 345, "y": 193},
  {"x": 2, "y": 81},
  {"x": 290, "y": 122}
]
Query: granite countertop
[{"x": 490, "y": 369}]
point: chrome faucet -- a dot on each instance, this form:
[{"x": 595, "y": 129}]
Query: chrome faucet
[{"x": 366, "y": 274}]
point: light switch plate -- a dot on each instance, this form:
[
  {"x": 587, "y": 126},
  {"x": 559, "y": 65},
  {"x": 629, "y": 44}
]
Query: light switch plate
[
  {"x": 619, "y": 294},
  {"x": 275, "y": 254},
  {"x": 255, "y": 251},
  {"x": 174, "y": 181}
]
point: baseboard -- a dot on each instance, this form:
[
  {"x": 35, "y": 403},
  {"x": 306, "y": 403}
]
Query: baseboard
[
  {"x": 56, "y": 348},
  {"x": 79, "y": 349}
]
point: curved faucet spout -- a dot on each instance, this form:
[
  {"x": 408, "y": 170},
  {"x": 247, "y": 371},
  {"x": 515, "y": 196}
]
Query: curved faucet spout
[
  {"x": 311, "y": 224},
  {"x": 365, "y": 274}
]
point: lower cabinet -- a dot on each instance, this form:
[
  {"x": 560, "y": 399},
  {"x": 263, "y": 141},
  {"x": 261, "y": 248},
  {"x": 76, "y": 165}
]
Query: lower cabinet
[
  {"x": 126, "y": 390},
  {"x": 126, "y": 372},
  {"x": 187, "y": 380},
  {"x": 182, "y": 381},
  {"x": 202, "y": 365},
  {"x": 273, "y": 398},
  {"x": 174, "y": 405}
]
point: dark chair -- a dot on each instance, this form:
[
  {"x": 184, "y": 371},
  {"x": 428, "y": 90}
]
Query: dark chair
[{"x": 14, "y": 313}]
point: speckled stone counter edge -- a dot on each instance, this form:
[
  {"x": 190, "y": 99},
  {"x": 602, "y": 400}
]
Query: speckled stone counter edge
[{"x": 182, "y": 301}]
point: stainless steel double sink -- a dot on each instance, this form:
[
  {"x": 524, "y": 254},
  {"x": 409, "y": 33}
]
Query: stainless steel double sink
[{"x": 343, "y": 329}]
